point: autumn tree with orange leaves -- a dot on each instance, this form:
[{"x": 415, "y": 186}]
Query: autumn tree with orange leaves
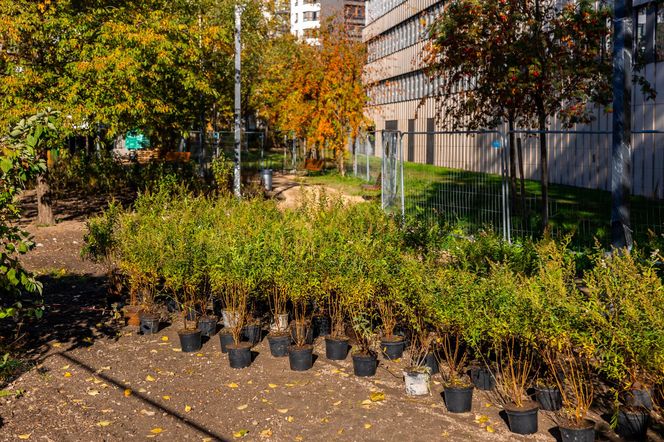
[{"x": 315, "y": 91}]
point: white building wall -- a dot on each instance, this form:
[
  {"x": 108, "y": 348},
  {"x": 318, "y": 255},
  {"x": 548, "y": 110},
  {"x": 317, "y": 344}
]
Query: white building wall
[{"x": 298, "y": 24}]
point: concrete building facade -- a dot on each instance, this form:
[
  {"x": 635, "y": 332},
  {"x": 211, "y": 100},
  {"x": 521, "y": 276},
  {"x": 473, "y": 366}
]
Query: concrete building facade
[
  {"x": 306, "y": 16},
  {"x": 395, "y": 35}
]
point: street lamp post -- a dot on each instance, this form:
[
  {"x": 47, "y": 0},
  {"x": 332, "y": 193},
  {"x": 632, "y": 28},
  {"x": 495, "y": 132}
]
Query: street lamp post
[{"x": 238, "y": 102}]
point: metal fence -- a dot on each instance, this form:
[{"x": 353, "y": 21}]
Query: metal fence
[
  {"x": 469, "y": 179},
  {"x": 361, "y": 161}
]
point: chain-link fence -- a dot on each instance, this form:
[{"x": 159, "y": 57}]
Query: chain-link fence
[
  {"x": 362, "y": 160},
  {"x": 473, "y": 180}
]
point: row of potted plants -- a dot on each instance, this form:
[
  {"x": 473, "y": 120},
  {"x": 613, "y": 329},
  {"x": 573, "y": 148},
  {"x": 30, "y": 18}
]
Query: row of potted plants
[{"x": 488, "y": 314}]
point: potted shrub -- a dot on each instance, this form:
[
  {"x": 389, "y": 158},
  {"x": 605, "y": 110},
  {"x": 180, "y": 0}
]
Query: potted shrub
[
  {"x": 149, "y": 315},
  {"x": 391, "y": 344},
  {"x": 625, "y": 310},
  {"x": 572, "y": 375},
  {"x": 239, "y": 352},
  {"x": 279, "y": 337},
  {"x": 336, "y": 343},
  {"x": 207, "y": 324},
  {"x": 515, "y": 363},
  {"x": 300, "y": 354},
  {"x": 361, "y": 313},
  {"x": 457, "y": 387},
  {"x": 417, "y": 376}
]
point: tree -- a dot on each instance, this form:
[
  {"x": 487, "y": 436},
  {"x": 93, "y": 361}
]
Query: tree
[
  {"x": 523, "y": 61},
  {"x": 315, "y": 92},
  {"x": 20, "y": 162},
  {"x": 162, "y": 65}
]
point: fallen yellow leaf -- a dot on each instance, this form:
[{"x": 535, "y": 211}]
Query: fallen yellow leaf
[
  {"x": 337, "y": 403},
  {"x": 127, "y": 392},
  {"x": 149, "y": 378},
  {"x": 156, "y": 430},
  {"x": 282, "y": 410},
  {"x": 166, "y": 398},
  {"x": 340, "y": 431},
  {"x": 377, "y": 396},
  {"x": 176, "y": 349},
  {"x": 164, "y": 338},
  {"x": 250, "y": 382},
  {"x": 490, "y": 429},
  {"x": 93, "y": 392},
  {"x": 240, "y": 433},
  {"x": 290, "y": 385},
  {"x": 57, "y": 345},
  {"x": 232, "y": 385},
  {"x": 290, "y": 418},
  {"x": 299, "y": 438},
  {"x": 187, "y": 408},
  {"x": 104, "y": 423},
  {"x": 266, "y": 433},
  {"x": 366, "y": 402},
  {"x": 67, "y": 374},
  {"x": 242, "y": 407},
  {"x": 367, "y": 426},
  {"x": 64, "y": 367},
  {"x": 324, "y": 421},
  {"x": 200, "y": 355},
  {"x": 482, "y": 419},
  {"x": 24, "y": 436},
  {"x": 272, "y": 385}
]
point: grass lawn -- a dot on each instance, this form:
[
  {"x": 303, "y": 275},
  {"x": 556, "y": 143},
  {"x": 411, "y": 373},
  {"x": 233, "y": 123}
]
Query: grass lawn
[{"x": 473, "y": 200}]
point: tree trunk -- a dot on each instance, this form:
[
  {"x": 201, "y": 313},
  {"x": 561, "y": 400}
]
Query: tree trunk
[
  {"x": 544, "y": 164},
  {"x": 44, "y": 201},
  {"x": 522, "y": 182},
  {"x": 512, "y": 177}
]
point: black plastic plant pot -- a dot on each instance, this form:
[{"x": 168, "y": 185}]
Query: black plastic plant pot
[
  {"x": 252, "y": 333},
  {"x": 392, "y": 348},
  {"x": 301, "y": 358},
  {"x": 482, "y": 378},
  {"x": 522, "y": 420},
  {"x": 279, "y": 344},
  {"x": 336, "y": 349},
  {"x": 549, "y": 398},
  {"x": 641, "y": 397},
  {"x": 208, "y": 326},
  {"x": 633, "y": 424},
  {"x": 190, "y": 340},
  {"x": 239, "y": 355},
  {"x": 431, "y": 362},
  {"x": 321, "y": 325},
  {"x": 458, "y": 399},
  {"x": 225, "y": 339},
  {"x": 365, "y": 365},
  {"x": 149, "y": 324},
  {"x": 583, "y": 433}
]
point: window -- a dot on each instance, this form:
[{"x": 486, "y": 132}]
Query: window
[
  {"x": 649, "y": 32},
  {"x": 310, "y": 16}
]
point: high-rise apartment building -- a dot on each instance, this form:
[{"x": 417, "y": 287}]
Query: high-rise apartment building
[{"x": 307, "y": 16}]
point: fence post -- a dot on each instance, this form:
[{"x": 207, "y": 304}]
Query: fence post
[
  {"x": 382, "y": 174},
  {"x": 507, "y": 220},
  {"x": 403, "y": 196}
]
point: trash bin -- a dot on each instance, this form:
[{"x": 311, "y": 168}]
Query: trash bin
[{"x": 266, "y": 176}]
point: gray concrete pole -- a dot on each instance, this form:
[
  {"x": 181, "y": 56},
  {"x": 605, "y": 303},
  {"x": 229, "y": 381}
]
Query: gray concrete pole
[
  {"x": 238, "y": 102},
  {"x": 621, "y": 170}
]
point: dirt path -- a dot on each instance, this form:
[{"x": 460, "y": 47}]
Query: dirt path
[{"x": 288, "y": 191}]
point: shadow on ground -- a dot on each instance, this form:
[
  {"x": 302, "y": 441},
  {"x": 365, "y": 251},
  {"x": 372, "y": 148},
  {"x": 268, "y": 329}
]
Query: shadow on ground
[{"x": 77, "y": 313}]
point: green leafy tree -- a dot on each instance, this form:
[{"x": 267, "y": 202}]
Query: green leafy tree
[
  {"x": 20, "y": 163},
  {"x": 522, "y": 62}
]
